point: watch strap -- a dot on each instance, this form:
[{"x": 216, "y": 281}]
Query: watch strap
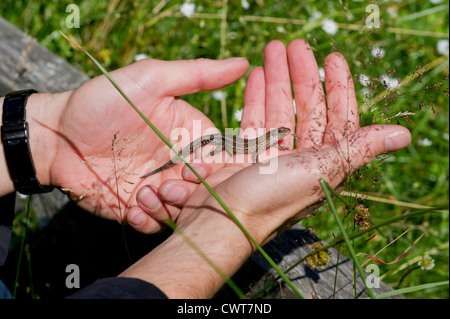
[{"x": 15, "y": 138}]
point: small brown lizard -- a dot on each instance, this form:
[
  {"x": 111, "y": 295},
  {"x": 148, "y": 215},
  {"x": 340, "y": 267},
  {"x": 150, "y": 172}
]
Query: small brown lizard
[{"x": 232, "y": 144}]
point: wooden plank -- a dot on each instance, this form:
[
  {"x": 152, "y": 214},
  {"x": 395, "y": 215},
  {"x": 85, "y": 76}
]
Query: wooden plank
[
  {"x": 292, "y": 246},
  {"x": 25, "y": 64}
]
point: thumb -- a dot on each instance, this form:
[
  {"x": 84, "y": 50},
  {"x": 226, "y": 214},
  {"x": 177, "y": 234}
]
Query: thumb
[
  {"x": 362, "y": 146},
  {"x": 175, "y": 78}
]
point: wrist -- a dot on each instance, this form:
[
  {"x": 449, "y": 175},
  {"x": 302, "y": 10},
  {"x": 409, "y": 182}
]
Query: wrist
[
  {"x": 42, "y": 115},
  {"x": 186, "y": 265}
]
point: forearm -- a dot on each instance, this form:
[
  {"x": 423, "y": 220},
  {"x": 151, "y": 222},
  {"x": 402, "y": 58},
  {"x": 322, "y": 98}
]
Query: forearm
[
  {"x": 42, "y": 114},
  {"x": 6, "y": 183},
  {"x": 181, "y": 266}
]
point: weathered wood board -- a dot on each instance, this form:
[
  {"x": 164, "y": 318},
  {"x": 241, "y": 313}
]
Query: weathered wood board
[
  {"x": 25, "y": 64},
  {"x": 292, "y": 246}
]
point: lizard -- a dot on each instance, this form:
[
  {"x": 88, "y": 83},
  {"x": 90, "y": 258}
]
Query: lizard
[{"x": 232, "y": 144}]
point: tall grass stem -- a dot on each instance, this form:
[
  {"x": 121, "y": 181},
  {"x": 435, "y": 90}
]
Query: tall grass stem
[{"x": 325, "y": 188}]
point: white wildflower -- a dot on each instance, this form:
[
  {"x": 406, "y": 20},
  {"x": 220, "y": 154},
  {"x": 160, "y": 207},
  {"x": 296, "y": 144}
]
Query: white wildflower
[
  {"x": 316, "y": 15},
  {"x": 187, "y": 9},
  {"x": 392, "y": 12},
  {"x": 389, "y": 83},
  {"x": 442, "y": 46},
  {"x": 238, "y": 115},
  {"x": 140, "y": 56},
  {"x": 280, "y": 29},
  {"x": 426, "y": 263},
  {"x": 424, "y": 142},
  {"x": 365, "y": 93},
  {"x": 378, "y": 52},
  {"x": 219, "y": 95},
  {"x": 322, "y": 74},
  {"x": 245, "y": 4},
  {"x": 364, "y": 79},
  {"x": 329, "y": 26}
]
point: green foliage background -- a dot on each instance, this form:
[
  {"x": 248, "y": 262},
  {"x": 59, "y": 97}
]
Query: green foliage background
[{"x": 116, "y": 31}]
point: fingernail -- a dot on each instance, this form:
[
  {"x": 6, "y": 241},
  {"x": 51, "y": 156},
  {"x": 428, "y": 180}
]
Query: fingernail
[
  {"x": 397, "y": 140},
  {"x": 235, "y": 59},
  {"x": 174, "y": 193},
  {"x": 189, "y": 175},
  {"x": 139, "y": 219},
  {"x": 148, "y": 199}
]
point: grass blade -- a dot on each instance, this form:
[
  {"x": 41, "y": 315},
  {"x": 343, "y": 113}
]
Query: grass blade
[
  {"x": 384, "y": 200},
  {"x": 325, "y": 187},
  {"x": 381, "y": 262},
  {"x": 22, "y": 246},
  {"x": 411, "y": 289}
]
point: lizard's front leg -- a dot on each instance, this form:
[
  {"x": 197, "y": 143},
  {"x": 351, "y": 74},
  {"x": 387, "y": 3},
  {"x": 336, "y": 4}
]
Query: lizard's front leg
[
  {"x": 256, "y": 153},
  {"x": 255, "y": 157},
  {"x": 217, "y": 150}
]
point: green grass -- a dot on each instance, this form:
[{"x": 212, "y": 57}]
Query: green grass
[{"x": 409, "y": 35}]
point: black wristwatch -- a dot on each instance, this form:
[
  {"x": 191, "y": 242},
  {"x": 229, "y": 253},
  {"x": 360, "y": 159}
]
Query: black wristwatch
[{"x": 15, "y": 138}]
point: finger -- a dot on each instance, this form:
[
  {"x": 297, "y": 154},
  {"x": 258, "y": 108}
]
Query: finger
[
  {"x": 174, "y": 78},
  {"x": 361, "y": 147},
  {"x": 143, "y": 222},
  {"x": 152, "y": 213},
  {"x": 149, "y": 200},
  {"x": 309, "y": 96},
  {"x": 203, "y": 169},
  {"x": 253, "y": 114},
  {"x": 279, "y": 105},
  {"x": 343, "y": 117},
  {"x": 176, "y": 192}
]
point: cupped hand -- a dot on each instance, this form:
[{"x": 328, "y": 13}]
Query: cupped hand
[
  {"x": 103, "y": 146},
  {"x": 329, "y": 145}
]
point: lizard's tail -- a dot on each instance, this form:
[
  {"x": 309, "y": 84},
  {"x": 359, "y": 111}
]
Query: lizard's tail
[
  {"x": 152, "y": 173},
  {"x": 170, "y": 163}
]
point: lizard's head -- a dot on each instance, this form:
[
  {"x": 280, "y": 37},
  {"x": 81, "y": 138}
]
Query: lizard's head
[{"x": 283, "y": 131}]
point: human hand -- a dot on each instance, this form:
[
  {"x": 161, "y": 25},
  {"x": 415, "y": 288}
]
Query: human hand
[
  {"x": 329, "y": 144},
  {"x": 93, "y": 145}
]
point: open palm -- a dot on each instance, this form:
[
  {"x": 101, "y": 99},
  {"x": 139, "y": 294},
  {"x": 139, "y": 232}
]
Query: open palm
[
  {"x": 330, "y": 144},
  {"x": 103, "y": 146}
]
